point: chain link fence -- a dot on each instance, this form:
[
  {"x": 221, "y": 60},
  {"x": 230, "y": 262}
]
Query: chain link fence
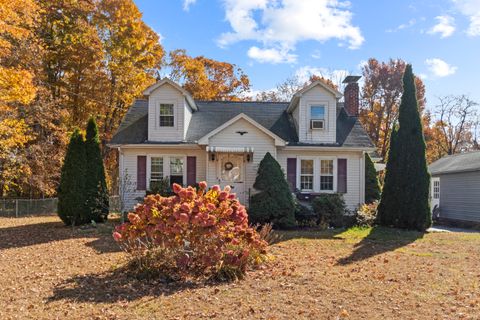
[{"x": 30, "y": 207}]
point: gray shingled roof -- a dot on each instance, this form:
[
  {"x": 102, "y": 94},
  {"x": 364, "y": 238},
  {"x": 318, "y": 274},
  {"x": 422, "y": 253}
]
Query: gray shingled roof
[
  {"x": 212, "y": 114},
  {"x": 462, "y": 162}
]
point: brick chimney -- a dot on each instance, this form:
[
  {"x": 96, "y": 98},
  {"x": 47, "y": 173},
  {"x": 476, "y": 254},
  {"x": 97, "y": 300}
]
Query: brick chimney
[{"x": 351, "y": 95}]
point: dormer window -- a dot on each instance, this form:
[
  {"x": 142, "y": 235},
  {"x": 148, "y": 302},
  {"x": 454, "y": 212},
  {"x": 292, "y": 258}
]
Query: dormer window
[
  {"x": 317, "y": 117},
  {"x": 166, "y": 115}
]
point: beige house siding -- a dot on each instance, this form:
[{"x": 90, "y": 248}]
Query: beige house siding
[
  {"x": 255, "y": 138},
  {"x": 166, "y": 94},
  {"x": 316, "y": 96},
  {"x": 128, "y": 164},
  {"x": 355, "y": 170}
]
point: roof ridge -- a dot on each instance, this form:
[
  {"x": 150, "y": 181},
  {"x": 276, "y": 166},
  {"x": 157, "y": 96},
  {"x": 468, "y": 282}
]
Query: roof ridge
[
  {"x": 229, "y": 101},
  {"x": 459, "y": 154}
]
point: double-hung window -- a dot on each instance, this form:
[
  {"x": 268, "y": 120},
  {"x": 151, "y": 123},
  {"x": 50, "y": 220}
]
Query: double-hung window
[
  {"x": 156, "y": 171},
  {"x": 326, "y": 175},
  {"x": 176, "y": 170},
  {"x": 436, "y": 189},
  {"x": 167, "y": 116},
  {"x": 317, "y": 112},
  {"x": 306, "y": 175}
]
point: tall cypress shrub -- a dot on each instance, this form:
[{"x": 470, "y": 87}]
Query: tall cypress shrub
[
  {"x": 404, "y": 202},
  {"x": 71, "y": 192},
  {"x": 372, "y": 187},
  {"x": 96, "y": 192},
  {"x": 274, "y": 202}
]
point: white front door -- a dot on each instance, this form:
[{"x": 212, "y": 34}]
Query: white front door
[
  {"x": 231, "y": 171},
  {"x": 435, "y": 193}
]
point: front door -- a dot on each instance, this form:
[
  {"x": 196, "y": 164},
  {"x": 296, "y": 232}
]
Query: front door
[
  {"x": 435, "y": 193},
  {"x": 231, "y": 171}
]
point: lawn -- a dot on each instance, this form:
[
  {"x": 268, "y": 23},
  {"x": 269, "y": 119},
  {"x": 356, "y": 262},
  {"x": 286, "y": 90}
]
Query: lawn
[{"x": 49, "y": 271}]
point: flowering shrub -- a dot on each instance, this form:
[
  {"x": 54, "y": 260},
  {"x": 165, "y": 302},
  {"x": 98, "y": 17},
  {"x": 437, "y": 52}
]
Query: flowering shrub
[{"x": 196, "y": 232}]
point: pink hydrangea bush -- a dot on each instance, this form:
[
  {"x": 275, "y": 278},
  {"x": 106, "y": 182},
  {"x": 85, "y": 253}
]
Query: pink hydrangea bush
[{"x": 196, "y": 232}]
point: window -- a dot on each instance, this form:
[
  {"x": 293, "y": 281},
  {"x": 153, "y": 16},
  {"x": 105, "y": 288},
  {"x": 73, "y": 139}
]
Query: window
[
  {"x": 166, "y": 115},
  {"x": 326, "y": 175},
  {"x": 306, "y": 174},
  {"x": 156, "y": 171},
  {"x": 176, "y": 170},
  {"x": 317, "y": 113},
  {"x": 436, "y": 189}
]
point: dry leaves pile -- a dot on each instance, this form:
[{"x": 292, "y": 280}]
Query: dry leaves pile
[{"x": 48, "y": 271}]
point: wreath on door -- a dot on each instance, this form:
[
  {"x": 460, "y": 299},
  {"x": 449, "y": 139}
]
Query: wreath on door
[{"x": 228, "y": 166}]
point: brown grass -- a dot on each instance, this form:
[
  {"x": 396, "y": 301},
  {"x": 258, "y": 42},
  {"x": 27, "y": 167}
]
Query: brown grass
[{"x": 48, "y": 271}]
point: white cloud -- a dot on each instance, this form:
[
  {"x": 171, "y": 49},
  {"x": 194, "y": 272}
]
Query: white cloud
[
  {"x": 440, "y": 68},
  {"x": 271, "y": 55},
  {"x": 445, "y": 26},
  {"x": 280, "y": 24},
  {"x": 316, "y": 54},
  {"x": 407, "y": 25},
  {"x": 187, "y": 4},
  {"x": 471, "y": 9},
  {"x": 336, "y": 75}
]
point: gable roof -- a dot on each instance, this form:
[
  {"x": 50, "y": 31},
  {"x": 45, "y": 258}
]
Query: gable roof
[
  {"x": 211, "y": 115},
  {"x": 164, "y": 81},
  {"x": 312, "y": 85},
  {"x": 462, "y": 162},
  {"x": 278, "y": 141}
]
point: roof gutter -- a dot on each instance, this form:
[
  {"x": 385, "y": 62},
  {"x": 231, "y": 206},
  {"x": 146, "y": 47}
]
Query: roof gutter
[
  {"x": 157, "y": 145},
  {"x": 321, "y": 148}
]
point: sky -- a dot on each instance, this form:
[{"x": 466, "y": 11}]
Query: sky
[{"x": 271, "y": 40}]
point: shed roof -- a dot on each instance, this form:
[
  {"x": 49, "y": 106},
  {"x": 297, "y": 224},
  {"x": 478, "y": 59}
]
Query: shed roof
[{"x": 462, "y": 162}]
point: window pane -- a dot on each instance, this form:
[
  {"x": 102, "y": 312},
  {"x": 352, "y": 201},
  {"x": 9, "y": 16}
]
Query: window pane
[
  {"x": 166, "y": 121},
  {"x": 166, "y": 109},
  {"x": 176, "y": 166},
  {"x": 306, "y": 182},
  {"x": 326, "y": 167},
  {"x": 306, "y": 167},
  {"x": 326, "y": 182},
  {"x": 156, "y": 168},
  {"x": 317, "y": 112}
]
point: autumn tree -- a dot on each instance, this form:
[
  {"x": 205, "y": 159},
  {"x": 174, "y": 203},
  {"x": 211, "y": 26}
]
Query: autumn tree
[
  {"x": 380, "y": 100},
  {"x": 405, "y": 198},
  {"x": 456, "y": 121},
  {"x": 17, "y": 89},
  {"x": 208, "y": 79}
]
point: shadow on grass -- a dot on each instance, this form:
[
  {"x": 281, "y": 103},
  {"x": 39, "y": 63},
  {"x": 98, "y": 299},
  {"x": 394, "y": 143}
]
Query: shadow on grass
[
  {"x": 47, "y": 232},
  {"x": 118, "y": 285},
  {"x": 378, "y": 240},
  {"x": 307, "y": 233}
]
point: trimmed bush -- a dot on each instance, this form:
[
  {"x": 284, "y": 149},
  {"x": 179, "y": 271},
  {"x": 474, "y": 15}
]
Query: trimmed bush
[
  {"x": 195, "y": 233},
  {"x": 304, "y": 215},
  {"x": 274, "y": 202},
  {"x": 372, "y": 187},
  {"x": 404, "y": 202},
  {"x": 366, "y": 215},
  {"x": 96, "y": 193},
  {"x": 71, "y": 195},
  {"x": 330, "y": 209},
  {"x": 161, "y": 187}
]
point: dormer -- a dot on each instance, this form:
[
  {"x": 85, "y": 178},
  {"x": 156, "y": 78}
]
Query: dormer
[
  {"x": 170, "y": 109},
  {"x": 314, "y": 110}
]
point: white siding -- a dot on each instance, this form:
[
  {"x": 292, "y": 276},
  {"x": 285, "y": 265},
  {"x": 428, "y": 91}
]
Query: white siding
[
  {"x": 166, "y": 94},
  {"x": 355, "y": 171},
  {"x": 128, "y": 163},
  {"x": 317, "y": 96},
  {"x": 255, "y": 138}
]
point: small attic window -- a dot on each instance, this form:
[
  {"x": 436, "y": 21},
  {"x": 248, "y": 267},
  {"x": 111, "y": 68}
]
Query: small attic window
[
  {"x": 166, "y": 115},
  {"x": 317, "y": 113}
]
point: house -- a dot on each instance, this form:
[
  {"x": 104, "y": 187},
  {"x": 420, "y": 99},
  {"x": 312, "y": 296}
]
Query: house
[
  {"x": 318, "y": 141},
  {"x": 455, "y": 186}
]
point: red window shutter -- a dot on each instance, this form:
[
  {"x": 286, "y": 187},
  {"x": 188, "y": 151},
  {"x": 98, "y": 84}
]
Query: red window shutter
[
  {"x": 342, "y": 175},
  {"x": 292, "y": 173},
  {"x": 141, "y": 172},
  {"x": 191, "y": 170}
]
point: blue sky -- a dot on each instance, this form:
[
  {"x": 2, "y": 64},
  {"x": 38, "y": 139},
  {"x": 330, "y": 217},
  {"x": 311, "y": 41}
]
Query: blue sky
[{"x": 274, "y": 39}]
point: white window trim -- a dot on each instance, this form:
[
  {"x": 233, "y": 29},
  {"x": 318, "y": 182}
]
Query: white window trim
[
  {"x": 315, "y": 103},
  {"x": 316, "y": 173},
  {"x": 157, "y": 114},
  {"x": 166, "y": 166}
]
